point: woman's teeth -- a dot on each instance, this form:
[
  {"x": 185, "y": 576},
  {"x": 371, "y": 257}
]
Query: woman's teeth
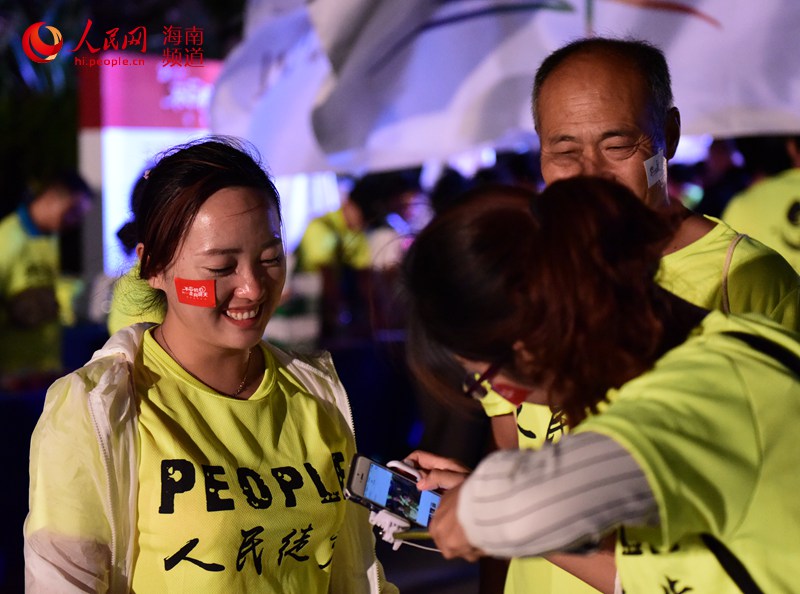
[{"x": 242, "y": 315}]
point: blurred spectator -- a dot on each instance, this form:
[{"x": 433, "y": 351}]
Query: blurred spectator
[
  {"x": 497, "y": 173},
  {"x": 763, "y": 155},
  {"x": 30, "y": 311},
  {"x": 399, "y": 210},
  {"x": 341, "y": 297},
  {"x": 721, "y": 176},
  {"x": 683, "y": 184},
  {"x": 336, "y": 238},
  {"x": 512, "y": 168},
  {"x": 769, "y": 210},
  {"x": 348, "y": 245},
  {"x": 448, "y": 188},
  {"x": 524, "y": 169}
]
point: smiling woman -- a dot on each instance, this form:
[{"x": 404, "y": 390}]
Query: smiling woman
[
  {"x": 116, "y": 459},
  {"x": 209, "y": 220}
]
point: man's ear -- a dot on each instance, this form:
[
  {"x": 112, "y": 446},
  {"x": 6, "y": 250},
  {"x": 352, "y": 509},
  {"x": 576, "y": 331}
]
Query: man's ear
[
  {"x": 672, "y": 131},
  {"x": 156, "y": 282}
]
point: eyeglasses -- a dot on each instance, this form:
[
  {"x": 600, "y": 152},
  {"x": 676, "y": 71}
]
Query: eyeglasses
[{"x": 474, "y": 386}]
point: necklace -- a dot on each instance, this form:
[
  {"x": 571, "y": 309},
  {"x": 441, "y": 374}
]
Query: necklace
[{"x": 182, "y": 366}]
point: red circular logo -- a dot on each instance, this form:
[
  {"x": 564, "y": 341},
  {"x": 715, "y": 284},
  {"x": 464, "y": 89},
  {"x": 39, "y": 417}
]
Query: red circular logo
[{"x": 36, "y": 49}]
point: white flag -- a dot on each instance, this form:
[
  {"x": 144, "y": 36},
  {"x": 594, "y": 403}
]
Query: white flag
[
  {"x": 413, "y": 80},
  {"x": 267, "y": 87},
  {"x": 422, "y": 79}
]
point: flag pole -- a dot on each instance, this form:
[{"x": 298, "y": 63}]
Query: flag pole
[{"x": 589, "y": 18}]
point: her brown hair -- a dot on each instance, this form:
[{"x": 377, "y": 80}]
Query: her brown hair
[
  {"x": 177, "y": 187},
  {"x": 569, "y": 273}
]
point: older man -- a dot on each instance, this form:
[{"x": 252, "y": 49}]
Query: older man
[{"x": 604, "y": 107}]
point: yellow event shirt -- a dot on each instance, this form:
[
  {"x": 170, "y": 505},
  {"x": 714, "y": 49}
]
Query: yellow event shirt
[
  {"x": 759, "y": 280},
  {"x": 28, "y": 259},
  {"x": 768, "y": 210},
  {"x": 711, "y": 426},
  {"x": 328, "y": 241},
  {"x": 235, "y": 495}
]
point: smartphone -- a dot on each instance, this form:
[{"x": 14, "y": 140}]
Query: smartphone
[{"x": 378, "y": 487}]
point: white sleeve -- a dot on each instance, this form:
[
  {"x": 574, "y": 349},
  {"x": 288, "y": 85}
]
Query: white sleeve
[{"x": 521, "y": 503}]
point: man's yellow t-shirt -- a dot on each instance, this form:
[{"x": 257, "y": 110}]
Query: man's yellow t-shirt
[
  {"x": 235, "y": 495},
  {"x": 758, "y": 279}
]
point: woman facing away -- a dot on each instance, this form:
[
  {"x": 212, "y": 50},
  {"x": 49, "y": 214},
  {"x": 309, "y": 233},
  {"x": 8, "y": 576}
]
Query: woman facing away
[
  {"x": 191, "y": 456},
  {"x": 682, "y": 420}
]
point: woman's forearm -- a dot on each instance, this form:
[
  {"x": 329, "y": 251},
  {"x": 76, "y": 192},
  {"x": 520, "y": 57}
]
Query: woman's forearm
[{"x": 530, "y": 503}]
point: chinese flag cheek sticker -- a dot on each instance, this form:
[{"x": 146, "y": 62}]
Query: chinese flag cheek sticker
[{"x": 196, "y": 292}]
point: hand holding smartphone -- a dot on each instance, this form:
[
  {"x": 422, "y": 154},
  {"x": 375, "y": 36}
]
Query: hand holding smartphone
[
  {"x": 439, "y": 473},
  {"x": 378, "y": 487}
]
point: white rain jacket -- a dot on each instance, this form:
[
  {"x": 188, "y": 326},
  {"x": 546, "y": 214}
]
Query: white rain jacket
[{"x": 81, "y": 529}]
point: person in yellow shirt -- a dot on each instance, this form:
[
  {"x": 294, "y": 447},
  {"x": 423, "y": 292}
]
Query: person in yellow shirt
[
  {"x": 30, "y": 329},
  {"x": 769, "y": 210},
  {"x": 190, "y": 455},
  {"x": 680, "y": 446},
  {"x": 344, "y": 247}
]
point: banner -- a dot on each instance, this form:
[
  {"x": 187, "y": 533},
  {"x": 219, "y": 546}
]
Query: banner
[
  {"x": 426, "y": 80},
  {"x": 413, "y": 80},
  {"x": 268, "y": 85}
]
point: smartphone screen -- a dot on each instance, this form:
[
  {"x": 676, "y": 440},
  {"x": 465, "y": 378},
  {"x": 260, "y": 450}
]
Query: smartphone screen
[{"x": 399, "y": 495}]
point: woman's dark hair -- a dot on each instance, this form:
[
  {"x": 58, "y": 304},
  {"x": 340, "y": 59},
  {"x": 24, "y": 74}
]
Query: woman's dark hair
[
  {"x": 127, "y": 232},
  {"x": 569, "y": 273},
  {"x": 178, "y": 186}
]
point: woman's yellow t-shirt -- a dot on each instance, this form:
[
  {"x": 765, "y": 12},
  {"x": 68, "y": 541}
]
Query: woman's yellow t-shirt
[{"x": 235, "y": 495}]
